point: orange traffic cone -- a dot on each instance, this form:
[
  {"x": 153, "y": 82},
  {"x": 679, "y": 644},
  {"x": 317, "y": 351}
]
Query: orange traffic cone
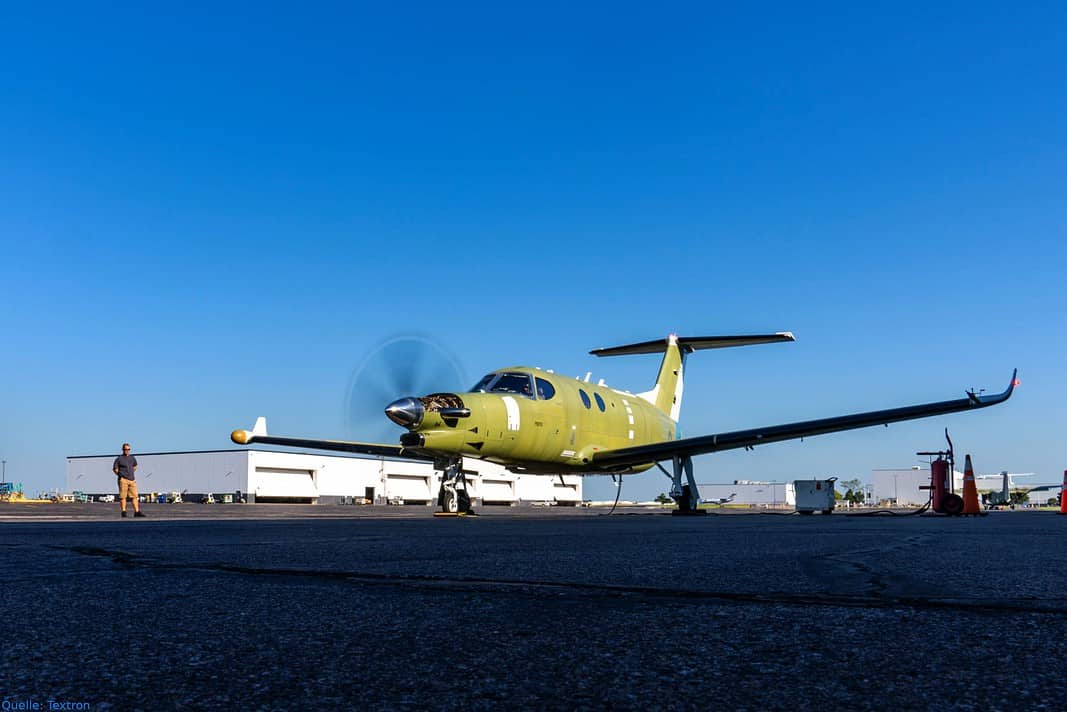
[
  {"x": 1063, "y": 494},
  {"x": 970, "y": 490}
]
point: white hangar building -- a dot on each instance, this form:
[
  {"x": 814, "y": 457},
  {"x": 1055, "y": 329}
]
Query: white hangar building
[
  {"x": 903, "y": 486},
  {"x": 311, "y": 478}
]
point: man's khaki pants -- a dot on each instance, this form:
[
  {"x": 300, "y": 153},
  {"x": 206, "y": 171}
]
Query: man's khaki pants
[{"x": 127, "y": 488}]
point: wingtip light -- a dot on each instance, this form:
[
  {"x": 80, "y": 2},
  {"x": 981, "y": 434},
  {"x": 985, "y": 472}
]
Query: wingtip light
[{"x": 241, "y": 437}]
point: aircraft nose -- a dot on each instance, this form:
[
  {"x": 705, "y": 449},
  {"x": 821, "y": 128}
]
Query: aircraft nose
[{"x": 407, "y": 412}]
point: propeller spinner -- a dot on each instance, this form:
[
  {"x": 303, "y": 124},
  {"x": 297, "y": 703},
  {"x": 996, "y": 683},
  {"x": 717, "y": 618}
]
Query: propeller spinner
[{"x": 406, "y": 412}]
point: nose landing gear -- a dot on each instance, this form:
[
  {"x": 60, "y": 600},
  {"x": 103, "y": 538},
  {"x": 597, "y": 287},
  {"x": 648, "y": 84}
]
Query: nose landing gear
[{"x": 453, "y": 496}]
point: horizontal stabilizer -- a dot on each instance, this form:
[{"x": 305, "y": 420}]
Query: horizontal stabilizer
[{"x": 695, "y": 343}]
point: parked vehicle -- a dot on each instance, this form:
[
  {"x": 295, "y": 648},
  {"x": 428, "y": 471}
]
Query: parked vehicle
[{"x": 9, "y": 493}]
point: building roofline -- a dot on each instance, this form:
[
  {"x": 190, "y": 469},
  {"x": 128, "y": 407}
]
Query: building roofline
[{"x": 247, "y": 449}]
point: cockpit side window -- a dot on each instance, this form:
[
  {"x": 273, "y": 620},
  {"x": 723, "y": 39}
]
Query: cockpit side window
[
  {"x": 518, "y": 383},
  {"x": 483, "y": 385},
  {"x": 545, "y": 390}
]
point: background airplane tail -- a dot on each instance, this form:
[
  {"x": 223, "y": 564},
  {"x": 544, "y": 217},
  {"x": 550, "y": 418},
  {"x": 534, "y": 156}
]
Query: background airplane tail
[{"x": 666, "y": 395}]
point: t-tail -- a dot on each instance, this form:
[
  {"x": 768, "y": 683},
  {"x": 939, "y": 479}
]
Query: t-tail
[{"x": 666, "y": 395}]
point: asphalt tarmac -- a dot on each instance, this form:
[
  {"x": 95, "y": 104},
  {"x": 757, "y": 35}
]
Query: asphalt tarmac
[{"x": 325, "y": 607}]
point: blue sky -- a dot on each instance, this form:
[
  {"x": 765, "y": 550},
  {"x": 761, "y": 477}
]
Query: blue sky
[{"x": 212, "y": 213}]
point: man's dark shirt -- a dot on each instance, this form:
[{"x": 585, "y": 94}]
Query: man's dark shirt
[{"x": 125, "y": 463}]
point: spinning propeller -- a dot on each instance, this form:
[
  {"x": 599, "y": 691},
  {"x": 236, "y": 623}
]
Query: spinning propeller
[{"x": 403, "y": 365}]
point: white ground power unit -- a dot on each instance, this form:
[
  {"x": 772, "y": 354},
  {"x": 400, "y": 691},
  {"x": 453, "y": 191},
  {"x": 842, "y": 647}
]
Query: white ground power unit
[{"x": 815, "y": 495}]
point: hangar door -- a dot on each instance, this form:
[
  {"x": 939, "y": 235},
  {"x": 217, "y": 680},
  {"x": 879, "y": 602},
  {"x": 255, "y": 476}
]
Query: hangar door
[
  {"x": 410, "y": 488},
  {"x": 276, "y": 484},
  {"x": 566, "y": 492},
  {"x": 497, "y": 490}
]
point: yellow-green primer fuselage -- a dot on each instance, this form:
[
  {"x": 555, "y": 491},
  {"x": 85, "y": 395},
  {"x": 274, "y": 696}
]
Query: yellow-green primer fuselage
[{"x": 554, "y": 426}]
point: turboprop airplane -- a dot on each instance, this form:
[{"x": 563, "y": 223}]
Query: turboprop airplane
[
  {"x": 1003, "y": 497},
  {"x": 534, "y": 421}
]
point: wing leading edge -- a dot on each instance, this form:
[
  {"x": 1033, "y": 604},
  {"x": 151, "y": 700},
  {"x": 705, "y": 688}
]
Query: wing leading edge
[
  {"x": 258, "y": 436},
  {"x": 627, "y": 457}
]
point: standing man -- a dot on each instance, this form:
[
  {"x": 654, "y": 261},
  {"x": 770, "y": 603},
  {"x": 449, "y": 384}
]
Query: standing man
[{"x": 125, "y": 466}]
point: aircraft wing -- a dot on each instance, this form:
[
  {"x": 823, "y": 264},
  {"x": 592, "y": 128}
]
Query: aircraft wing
[
  {"x": 258, "y": 436},
  {"x": 643, "y": 454}
]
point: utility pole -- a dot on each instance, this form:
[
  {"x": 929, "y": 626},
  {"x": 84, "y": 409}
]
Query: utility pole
[{"x": 3, "y": 477}]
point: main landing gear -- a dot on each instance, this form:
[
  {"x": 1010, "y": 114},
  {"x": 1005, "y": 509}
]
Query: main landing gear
[
  {"x": 453, "y": 497},
  {"x": 686, "y": 496}
]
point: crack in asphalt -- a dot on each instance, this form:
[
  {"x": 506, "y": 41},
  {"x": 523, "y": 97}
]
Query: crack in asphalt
[
  {"x": 853, "y": 570},
  {"x": 876, "y": 599}
]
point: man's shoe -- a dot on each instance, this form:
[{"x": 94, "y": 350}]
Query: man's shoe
[
  {"x": 138, "y": 514},
  {"x": 124, "y": 515}
]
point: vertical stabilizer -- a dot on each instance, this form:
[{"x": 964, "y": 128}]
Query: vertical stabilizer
[{"x": 666, "y": 395}]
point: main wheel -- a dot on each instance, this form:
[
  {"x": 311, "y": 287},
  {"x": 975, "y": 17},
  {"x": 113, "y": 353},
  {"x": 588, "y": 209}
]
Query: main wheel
[{"x": 448, "y": 501}]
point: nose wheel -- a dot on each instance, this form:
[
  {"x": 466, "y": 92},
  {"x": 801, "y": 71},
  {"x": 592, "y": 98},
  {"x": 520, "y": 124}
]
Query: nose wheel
[{"x": 453, "y": 496}]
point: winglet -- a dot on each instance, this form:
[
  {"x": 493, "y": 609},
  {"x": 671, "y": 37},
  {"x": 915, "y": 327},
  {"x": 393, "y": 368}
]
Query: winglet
[
  {"x": 1006, "y": 394},
  {"x": 982, "y": 401},
  {"x": 1015, "y": 382},
  {"x": 243, "y": 437}
]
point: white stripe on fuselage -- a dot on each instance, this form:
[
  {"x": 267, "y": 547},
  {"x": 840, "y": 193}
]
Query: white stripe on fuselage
[
  {"x": 513, "y": 412},
  {"x": 676, "y": 407}
]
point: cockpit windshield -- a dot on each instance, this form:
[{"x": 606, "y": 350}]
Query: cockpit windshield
[
  {"x": 483, "y": 385},
  {"x": 517, "y": 383}
]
